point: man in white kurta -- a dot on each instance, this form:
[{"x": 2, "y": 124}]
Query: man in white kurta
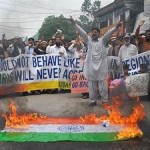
[
  {"x": 95, "y": 67},
  {"x": 57, "y": 48},
  {"x": 127, "y": 50}
]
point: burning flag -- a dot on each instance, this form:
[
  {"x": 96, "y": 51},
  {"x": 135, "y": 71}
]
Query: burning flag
[{"x": 39, "y": 128}]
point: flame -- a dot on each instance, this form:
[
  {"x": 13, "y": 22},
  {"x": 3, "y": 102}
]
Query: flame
[
  {"x": 115, "y": 116},
  {"x": 15, "y": 120}
]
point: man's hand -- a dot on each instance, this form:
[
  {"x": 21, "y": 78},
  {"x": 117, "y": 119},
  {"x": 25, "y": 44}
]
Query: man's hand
[
  {"x": 34, "y": 53},
  {"x": 72, "y": 20},
  {"x": 141, "y": 22},
  {"x": 3, "y": 36},
  {"x": 74, "y": 45},
  {"x": 61, "y": 53},
  {"x": 30, "y": 45}
]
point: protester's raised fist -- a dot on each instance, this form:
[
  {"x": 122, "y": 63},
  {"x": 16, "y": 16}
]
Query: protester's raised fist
[
  {"x": 141, "y": 22},
  {"x": 72, "y": 20},
  {"x": 3, "y": 35}
]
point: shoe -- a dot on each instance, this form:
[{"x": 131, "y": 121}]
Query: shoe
[
  {"x": 92, "y": 104},
  {"x": 85, "y": 97}
]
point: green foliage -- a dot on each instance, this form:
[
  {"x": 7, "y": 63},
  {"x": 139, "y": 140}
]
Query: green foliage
[
  {"x": 88, "y": 21},
  {"x": 52, "y": 23},
  {"x": 86, "y": 6}
]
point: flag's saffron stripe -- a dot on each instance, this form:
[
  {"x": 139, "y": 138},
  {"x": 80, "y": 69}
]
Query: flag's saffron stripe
[
  {"x": 54, "y": 137},
  {"x": 60, "y": 121}
]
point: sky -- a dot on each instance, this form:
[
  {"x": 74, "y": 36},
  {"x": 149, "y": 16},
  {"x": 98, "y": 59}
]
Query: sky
[{"x": 25, "y": 17}]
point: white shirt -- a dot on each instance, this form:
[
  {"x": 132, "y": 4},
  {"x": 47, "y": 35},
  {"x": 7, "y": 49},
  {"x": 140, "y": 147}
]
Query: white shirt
[
  {"x": 55, "y": 50},
  {"x": 75, "y": 52},
  {"x": 48, "y": 49},
  {"x": 127, "y": 51},
  {"x": 29, "y": 50},
  {"x": 95, "y": 66}
]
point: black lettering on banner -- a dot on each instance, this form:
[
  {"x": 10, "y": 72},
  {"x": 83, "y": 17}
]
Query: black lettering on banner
[
  {"x": 64, "y": 85},
  {"x": 6, "y": 78},
  {"x": 138, "y": 85}
]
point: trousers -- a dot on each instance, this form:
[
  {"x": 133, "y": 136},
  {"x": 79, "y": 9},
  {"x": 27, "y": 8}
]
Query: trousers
[{"x": 96, "y": 89}]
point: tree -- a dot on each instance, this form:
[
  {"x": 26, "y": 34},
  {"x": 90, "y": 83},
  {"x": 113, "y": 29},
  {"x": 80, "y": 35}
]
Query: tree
[
  {"x": 52, "y": 23},
  {"x": 88, "y": 20}
]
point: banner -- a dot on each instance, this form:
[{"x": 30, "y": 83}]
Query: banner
[
  {"x": 137, "y": 85},
  {"x": 28, "y": 72},
  {"x": 114, "y": 68},
  {"x": 135, "y": 61},
  {"x": 79, "y": 84}
]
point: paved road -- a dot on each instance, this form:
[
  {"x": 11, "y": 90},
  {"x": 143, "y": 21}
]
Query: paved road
[{"x": 68, "y": 105}]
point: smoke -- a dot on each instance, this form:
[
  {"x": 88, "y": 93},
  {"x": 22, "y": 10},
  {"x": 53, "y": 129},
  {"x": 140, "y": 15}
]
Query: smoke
[{"x": 21, "y": 104}]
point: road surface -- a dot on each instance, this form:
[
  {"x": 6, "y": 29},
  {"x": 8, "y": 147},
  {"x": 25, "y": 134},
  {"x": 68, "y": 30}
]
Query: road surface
[{"x": 72, "y": 105}]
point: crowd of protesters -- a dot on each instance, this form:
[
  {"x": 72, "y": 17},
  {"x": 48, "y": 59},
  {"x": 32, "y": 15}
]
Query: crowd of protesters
[{"x": 122, "y": 47}]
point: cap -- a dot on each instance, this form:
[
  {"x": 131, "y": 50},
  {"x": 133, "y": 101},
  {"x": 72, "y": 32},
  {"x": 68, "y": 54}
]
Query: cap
[
  {"x": 43, "y": 42},
  {"x": 31, "y": 39}
]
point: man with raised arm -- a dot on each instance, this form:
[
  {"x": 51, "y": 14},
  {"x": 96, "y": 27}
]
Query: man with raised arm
[
  {"x": 144, "y": 41},
  {"x": 95, "y": 67}
]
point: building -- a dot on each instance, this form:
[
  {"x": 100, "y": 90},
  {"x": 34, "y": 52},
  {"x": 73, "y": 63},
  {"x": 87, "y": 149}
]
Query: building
[{"x": 126, "y": 10}]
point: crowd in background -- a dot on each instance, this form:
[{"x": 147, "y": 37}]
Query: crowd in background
[{"x": 122, "y": 47}]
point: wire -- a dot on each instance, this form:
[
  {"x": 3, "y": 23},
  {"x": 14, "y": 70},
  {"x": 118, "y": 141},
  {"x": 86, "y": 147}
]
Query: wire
[
  {"x": 32, "y": 12},
  {"x": 16, "y": 27},
  {"x": 23, "y": 21},
  {"x": 21, "y": 18},
  {"x": 23, "y": 12},
  {"x": 33, "y": 4},
  {"x": 23, "y": 4}
]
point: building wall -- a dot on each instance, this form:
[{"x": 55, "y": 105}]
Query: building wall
[
  {"x": 147, "y": 8},
  {"x": 128, "y": 12}
]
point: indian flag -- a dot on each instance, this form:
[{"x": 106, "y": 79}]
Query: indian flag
[
  {"x": 38, "y": 128},
  {"x": 63, "y": 129}
]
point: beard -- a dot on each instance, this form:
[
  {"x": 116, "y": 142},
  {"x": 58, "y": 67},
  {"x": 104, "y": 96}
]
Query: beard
[
  {"x": 127, "y": 43},
  {"x": 58, "y": 44},
  {"x": 94, "y": 38}
]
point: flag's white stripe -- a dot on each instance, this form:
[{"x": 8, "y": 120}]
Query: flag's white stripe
[{"x": 69, "y": 128}]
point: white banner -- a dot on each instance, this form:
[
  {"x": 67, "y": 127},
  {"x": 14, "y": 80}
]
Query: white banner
[
  {"x": 135, "y": 61},
  {"x": 26, "y": 69},
  {"x": 114, "y": 68},
  {"x": 137, "y": 85}
]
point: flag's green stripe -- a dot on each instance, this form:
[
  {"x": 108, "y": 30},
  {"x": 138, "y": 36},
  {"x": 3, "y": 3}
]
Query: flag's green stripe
[{"x": 53, "y": 137}]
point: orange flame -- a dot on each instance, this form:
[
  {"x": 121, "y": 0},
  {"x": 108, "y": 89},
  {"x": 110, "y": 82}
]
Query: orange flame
[
  {"x": 115, "y": 116},
  {"x": 14, "y": 120}
]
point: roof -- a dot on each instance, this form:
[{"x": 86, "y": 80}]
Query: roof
[
  {"x": 119, "y": 33},
  {"x": 110, "y": 7}
]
